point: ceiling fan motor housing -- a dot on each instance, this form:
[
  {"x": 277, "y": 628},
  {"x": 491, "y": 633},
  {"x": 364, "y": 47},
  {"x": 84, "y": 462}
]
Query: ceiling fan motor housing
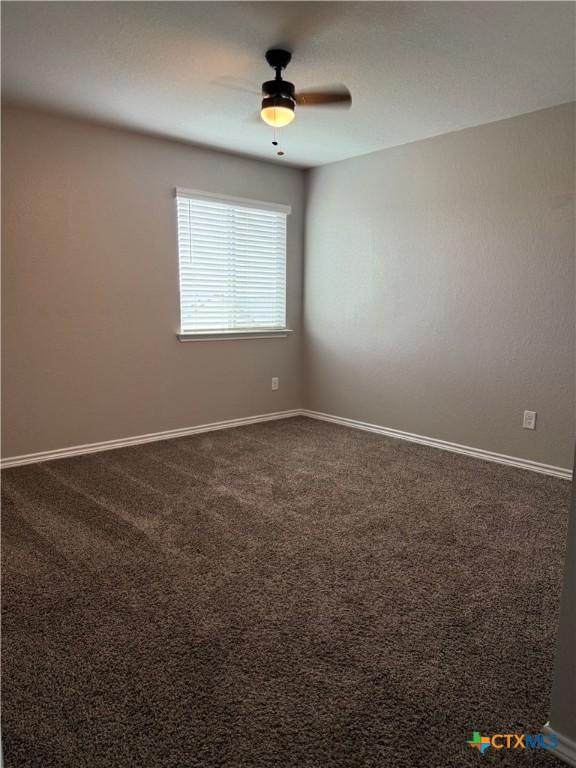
[
  {"x": 278, "y": 88},
  {"x": 278, "y": 93}
]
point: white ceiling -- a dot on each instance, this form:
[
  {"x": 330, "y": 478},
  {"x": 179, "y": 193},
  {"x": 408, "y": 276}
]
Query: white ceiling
[{"x": 415, "y": 69}]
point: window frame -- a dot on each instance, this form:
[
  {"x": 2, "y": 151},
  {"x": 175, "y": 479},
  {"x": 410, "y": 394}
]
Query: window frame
[{"x": 233, "y": 333}]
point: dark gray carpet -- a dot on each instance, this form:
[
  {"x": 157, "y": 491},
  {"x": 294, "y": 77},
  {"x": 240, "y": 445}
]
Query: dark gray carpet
[{"x": 290, "y": 594}]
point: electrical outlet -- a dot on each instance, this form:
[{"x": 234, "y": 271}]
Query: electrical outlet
[
  {"x": 529, "y": 420},
  {"x": 275, "y": 383}
]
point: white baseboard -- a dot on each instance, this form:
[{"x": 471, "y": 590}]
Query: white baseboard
[
  {"x": 477, "y": 453},
  {"x": 108, "y": 445},
  {"x": 566, "y": 749}
]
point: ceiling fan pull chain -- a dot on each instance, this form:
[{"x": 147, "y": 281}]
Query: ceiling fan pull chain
[{"x": 275, "y": 142}]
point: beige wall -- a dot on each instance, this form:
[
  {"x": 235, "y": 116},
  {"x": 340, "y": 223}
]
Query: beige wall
[
  {"x": 90, "y": 288},
  {"x": 439, "y": 287}
]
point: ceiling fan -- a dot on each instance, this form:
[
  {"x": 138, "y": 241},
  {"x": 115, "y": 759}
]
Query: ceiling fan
[{"x": 281, "y": 98}]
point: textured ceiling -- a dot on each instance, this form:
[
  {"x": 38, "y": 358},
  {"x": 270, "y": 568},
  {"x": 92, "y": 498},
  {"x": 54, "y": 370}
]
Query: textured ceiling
[{"x": 415, "y": 69}]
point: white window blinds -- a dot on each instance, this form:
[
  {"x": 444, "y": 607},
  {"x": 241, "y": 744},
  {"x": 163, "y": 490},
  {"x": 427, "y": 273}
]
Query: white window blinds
[{"x": 232, "y": 256}]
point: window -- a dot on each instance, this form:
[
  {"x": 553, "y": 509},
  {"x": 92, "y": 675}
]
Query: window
[{"x": 232, "y": 256}]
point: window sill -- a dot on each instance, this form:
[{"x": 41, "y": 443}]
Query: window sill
[{"x": 281, "y": 333}]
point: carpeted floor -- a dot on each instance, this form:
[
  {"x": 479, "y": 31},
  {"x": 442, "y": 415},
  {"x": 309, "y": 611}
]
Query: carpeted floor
[{"x": 289, "y": 594}]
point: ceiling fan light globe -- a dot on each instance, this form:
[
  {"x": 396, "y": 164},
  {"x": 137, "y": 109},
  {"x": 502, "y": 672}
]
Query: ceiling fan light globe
[
  {"x": 277, "y": 111},
  {"x": 277, "y": 117}
]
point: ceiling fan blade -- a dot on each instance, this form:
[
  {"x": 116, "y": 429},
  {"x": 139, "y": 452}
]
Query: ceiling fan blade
[
  {"x": 332, "y": 95},
  {"x": 236, "y": 84}
]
